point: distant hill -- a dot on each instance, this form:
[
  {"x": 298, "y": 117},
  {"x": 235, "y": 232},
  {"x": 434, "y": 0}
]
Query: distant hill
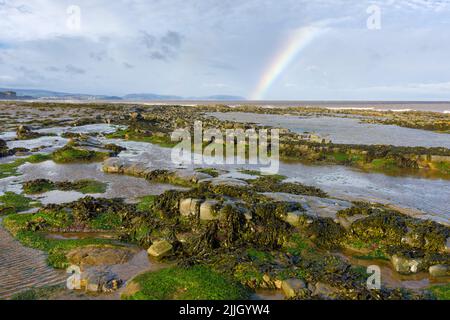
[
  {"x": 224, "y": 97},
  {"x": 55, "y": 95},
  {"x": 150, "y": 96},
  {"x": 157, "y": 97}
]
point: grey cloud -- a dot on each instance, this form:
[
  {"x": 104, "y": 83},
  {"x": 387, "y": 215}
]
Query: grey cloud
[
  {"x": 165, "y": 47},
  {"x": 52, "y": 69},
  {"x": 74, "y": 70},
  {"x": 99, "y": 55},
  {"x": 128, "y": 65}
]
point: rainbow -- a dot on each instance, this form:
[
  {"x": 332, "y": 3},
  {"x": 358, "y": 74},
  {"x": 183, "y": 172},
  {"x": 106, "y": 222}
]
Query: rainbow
[{"x": 294, "y": 44}]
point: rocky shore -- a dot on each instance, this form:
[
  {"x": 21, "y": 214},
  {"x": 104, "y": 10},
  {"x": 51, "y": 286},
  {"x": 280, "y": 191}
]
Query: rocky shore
[{"x": 220, "y": 236}]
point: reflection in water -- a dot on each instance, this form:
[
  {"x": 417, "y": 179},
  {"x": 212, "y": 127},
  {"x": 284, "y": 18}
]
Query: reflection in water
[
  {"x": 119, "y": 186},
  {"x": 345, "y": 130}
]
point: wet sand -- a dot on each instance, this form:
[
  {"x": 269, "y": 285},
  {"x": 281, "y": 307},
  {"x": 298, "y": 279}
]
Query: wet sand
[{"x": 22, "y": 268}]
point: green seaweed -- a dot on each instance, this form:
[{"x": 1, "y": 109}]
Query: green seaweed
[{"x": 194, "y": 283}]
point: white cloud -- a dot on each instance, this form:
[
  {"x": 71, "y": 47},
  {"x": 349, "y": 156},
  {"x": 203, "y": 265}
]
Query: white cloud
[{"x": 221, "y": 46}]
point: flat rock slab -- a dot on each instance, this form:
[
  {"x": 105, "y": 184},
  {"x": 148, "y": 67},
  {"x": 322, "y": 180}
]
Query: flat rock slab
[
  {"x": 314, "y": 206},
  {"x": 100, "y": 255}
]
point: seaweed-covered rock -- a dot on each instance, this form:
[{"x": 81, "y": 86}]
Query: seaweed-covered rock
[
  {"x": 322, "y": 231},
  {"x": 26, "y": 133},
  {"x": 3, "y": 148}
]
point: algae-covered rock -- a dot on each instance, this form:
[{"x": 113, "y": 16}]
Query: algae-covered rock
[
  {"x": 3, "y": 148},
  {"x": 26, "y": 133},
  {"x": 160, "y": 249}
]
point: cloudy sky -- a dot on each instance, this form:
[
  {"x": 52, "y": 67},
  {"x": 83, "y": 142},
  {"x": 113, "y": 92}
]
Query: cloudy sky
[{"x": 259, "y": 49}]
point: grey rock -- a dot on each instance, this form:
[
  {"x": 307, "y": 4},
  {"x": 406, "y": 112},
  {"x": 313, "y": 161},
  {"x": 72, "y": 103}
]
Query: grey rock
[
  {"x": 406, "y": 265},
  {"x": 439, "y": 270},
  {"x": 324, "y": 291},
  {"x": 209, "y": 210},
  {"x": 190, "y": 207},
  {"x": 160, "y": 249},
  {"x": 292, "y": 287}
]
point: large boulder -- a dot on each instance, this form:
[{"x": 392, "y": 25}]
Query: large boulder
[
  {"x": 100, "y": 255},
  {"x": 190, "y": 207},
  {"x": 406, "y": 265},
  {"x": 292, "y": 287},
  {"x": 160, "y": 249},
  {"x": 209, "y": 210}
]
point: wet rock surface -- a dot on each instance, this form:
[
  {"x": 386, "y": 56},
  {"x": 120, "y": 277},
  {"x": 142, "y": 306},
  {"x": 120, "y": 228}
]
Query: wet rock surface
[{"x": 99, "y": 256}]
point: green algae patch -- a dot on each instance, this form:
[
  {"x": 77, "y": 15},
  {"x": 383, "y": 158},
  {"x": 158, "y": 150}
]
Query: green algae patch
[
  {"x": 442, "y": 167},
  {"x": 106, "y": 221},
  {"x": 10, "y": 169},
  {"x": 38, "y": 186},
  {"x": 164, "y": 141},
  {"x": 42, "y": 293},
  {"x": 85, "y": 186},
  {"x": 275, "y": 184},
  {"x": 71, "y": 154},
  {"x": 11, "y": 203},
  {"x": 193, "y": 283},
  {"x": 441, "y": 292},
  {"x": 146, "y": 202},
  {"x": 259, "y": 256},
  {"x": 211, "y": 171},
  {"x": 90, "y": 186}
]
